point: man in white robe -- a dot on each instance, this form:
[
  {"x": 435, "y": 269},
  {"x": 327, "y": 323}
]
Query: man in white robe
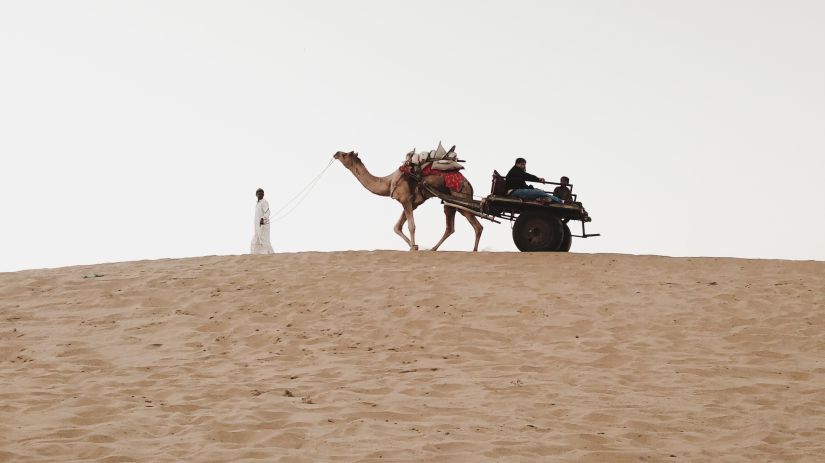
[{"x": 260, "y": 241}]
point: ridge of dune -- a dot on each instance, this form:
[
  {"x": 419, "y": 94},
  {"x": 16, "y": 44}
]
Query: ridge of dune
[{"x": 398, "y": 356}]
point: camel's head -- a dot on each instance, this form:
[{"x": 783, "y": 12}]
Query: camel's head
[{"x": 347, "y": 159}]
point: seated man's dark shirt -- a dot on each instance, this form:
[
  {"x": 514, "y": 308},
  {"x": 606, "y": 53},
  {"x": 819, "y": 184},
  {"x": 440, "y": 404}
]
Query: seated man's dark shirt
[
  {"x": 563, "y": 193},
  {"x": 518, "y": 178}
]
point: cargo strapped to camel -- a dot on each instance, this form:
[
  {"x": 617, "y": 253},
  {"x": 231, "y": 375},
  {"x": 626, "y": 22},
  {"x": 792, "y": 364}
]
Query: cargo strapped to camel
[{"x": 438, "y": 159}]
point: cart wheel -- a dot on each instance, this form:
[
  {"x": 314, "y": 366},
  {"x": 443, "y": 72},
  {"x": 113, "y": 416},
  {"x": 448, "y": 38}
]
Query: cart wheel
[
  {"x": 567, "y": 240},
  {"x": 537, "y": 232}
]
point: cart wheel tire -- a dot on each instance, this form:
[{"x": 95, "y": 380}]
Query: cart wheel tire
[
  {"x": 567, "y": 240},
  {"x": 537, "y": 232}
]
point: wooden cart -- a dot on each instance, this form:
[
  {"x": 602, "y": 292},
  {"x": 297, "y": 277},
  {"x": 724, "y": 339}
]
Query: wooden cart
[{"x": 538, "y": 226}]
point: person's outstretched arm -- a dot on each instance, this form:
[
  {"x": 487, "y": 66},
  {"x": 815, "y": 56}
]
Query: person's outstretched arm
[{"x": 533, "y": 178}]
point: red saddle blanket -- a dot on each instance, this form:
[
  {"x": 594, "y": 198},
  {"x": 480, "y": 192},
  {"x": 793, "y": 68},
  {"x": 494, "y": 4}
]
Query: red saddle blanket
[{"x": 452, "y": 178}]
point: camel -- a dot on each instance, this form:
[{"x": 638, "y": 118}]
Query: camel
[{"x": 402, "y": 188}]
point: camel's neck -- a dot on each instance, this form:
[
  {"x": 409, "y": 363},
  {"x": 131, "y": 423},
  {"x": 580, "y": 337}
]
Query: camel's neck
[{"x": 376, "y": 185}]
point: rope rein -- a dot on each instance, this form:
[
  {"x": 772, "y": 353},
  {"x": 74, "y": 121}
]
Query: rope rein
[{"x": 300, "y": 196}]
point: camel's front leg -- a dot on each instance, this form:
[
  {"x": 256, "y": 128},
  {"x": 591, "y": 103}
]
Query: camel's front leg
[
  {"x": 399, "y": 230},
  {"x": 408, "y": 212},
  {"x": 477, "y": 227},
  {"x": 449, "y": 213}
]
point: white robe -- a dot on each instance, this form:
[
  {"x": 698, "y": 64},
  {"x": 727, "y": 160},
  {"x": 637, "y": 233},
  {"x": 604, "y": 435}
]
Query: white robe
[{"x": 260, "y": 241}]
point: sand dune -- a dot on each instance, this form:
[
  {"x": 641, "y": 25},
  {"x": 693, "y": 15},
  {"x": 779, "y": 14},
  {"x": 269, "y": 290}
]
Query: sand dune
[{"x": 395, "y": 356}]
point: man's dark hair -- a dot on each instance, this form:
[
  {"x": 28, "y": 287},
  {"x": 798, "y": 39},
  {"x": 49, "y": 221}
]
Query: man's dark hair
[
  {"x": 565, "y": 179},
  {"x": 521, "y": 161},
  {"x": 259, "y": 189}
]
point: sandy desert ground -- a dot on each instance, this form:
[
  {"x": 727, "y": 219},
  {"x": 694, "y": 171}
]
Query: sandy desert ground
[{"x": 396, "y": 356}]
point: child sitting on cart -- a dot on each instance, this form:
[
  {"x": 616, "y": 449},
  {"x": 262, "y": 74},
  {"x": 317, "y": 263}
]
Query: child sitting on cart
[{"x": 563, "y": 191}]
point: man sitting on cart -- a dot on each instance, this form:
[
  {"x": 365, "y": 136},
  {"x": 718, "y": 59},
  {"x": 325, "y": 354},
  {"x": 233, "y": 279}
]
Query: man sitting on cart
[{"x": 517, "y": 179}]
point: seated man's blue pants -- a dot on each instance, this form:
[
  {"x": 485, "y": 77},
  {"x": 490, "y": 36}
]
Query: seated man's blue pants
[{"x": 533, "y": 193}]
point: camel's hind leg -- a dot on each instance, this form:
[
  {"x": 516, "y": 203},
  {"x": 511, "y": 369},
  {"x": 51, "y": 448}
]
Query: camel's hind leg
[
  {"x": 477, "y": 227},
  {"x": 449, "y": 214}
]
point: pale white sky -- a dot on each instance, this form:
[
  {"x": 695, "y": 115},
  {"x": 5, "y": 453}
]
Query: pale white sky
[{"x": 141, "y": 129}]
